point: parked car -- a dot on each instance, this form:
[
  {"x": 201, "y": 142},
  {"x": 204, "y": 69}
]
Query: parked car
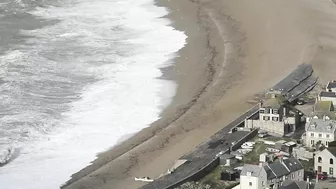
[
  {"x": 262, "y": 135},
  {"x": 321, "y": 176},
  {"x": 300, "y": 102}
]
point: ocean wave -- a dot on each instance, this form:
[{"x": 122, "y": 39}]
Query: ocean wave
[{"x": 74, "y": 88}]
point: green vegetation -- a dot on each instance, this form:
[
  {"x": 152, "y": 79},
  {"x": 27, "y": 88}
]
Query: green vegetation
[
  {"x": 198, "y": 185},
  {"x": 253, "y": 157},
  {"x": 308, "y": 165},
  {"x": 323, "y": 106}
]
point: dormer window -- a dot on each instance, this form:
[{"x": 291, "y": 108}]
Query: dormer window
[{"x": 313, "y": 126}]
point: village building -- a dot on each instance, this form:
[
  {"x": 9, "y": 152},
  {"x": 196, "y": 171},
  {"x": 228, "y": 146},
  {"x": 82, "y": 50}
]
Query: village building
[
  {"x": 327, "y": 96},
  {"x": 331, "y": 86},
  {"x": 275, "y": 117},
  {"x": 325, "y": 161},
  {"x": 320, "y": 131},
  {"x": 289, "y": 184},
  {"x": 271, "y": 175}
]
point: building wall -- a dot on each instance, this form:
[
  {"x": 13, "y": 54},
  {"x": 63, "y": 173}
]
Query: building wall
[
  {"x": 256, "y": 182},
  {"x": 269, "y": 126},
  {"x": 311, "y": 140},
  {"x": 297, "y": 175},
  {"x": 325, "y": 163},
  {"x": 327, "y": 99}
]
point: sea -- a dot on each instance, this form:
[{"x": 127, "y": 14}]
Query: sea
[{"x": 76, "y": 78}]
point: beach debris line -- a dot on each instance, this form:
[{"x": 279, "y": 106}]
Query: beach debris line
[{"x": 144, "y": 179}]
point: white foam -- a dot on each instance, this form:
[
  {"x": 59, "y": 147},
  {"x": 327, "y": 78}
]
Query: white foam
[{"x": 127, "y": 97}]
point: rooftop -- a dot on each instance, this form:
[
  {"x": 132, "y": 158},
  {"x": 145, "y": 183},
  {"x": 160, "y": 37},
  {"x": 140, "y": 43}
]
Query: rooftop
[
  {"x": 331, "y": 85},
  {"x": 274, "y": 102},
  {"x": 327, "y": 94},
  {"x": 290, "y": 184},
  {"x": 293, "y": 164},
  {"x": 323, "y": 106},
  {"x": 253, "y": 169},
  {"x": 320, "y": 115},
  {"x": 320, "y": 125},
  {"x": 274, "y": 170},
  {"x": 332, "y": 150}
]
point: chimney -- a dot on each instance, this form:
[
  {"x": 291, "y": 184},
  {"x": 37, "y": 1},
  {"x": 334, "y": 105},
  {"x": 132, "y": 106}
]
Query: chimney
[{"x": 280, "y": 159}]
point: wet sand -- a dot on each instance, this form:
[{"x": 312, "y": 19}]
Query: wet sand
[{"x": 235, "y": 50}]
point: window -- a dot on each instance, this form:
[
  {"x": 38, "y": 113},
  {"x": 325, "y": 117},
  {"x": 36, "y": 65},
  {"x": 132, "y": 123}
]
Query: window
[
  {"x": 312, "y": 142},
  {"x": 312, "y": 134},
  {"x": 292, "y": 175},
  {"x": 331, "y": 171},
  {"x": 266, "y": 118},
  {"x": 328, "y": 135},
  {"x": 327, "y": 143},
  {"x": 319, "y": 159},
  {"x": 275, "y": 118},
  {"x": 299, "y": 173},
  {"x": 275, "y": 111},
  {"x": 320, "y": 135},
  {"x": 250, "y": 183},
  {"x": 263, "y": 183},
  {"x": 331, "y": 161},
  {"x": 262, "y": 111},
  {"x": 267, "y": 110}
]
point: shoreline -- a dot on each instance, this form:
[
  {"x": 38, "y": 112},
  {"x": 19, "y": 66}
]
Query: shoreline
[{"x": 253, "y": 52}]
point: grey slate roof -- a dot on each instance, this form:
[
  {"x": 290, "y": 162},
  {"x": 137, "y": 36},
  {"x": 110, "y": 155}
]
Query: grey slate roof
[
  {"x": 293, "y": 164},
  {"x": 270, "y": 174},
  {"x": 279, "y": 169},
  {"x": 290, "y": 184},
  {"x": 254, "y": 169},
  {"x": 320, "y": 125},
  {"x": 331, "y": 84},
  {"x": 274, "y": 170},
  {"x": 332, "y": 150},
  {"x": 327, "y": 94}
]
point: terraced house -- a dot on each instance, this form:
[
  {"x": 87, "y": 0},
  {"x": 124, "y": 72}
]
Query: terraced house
[
  {"x": 320, "y": 131},
  {"x": 272, "y": 175}
]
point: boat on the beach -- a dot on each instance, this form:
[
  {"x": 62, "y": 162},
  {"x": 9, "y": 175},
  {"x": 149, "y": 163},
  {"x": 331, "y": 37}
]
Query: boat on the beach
[{"x": 144, "y": 179}]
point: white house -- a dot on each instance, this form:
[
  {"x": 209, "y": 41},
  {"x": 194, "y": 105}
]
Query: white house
[
  {"x": 320, "y": 130},
  {"x": 331, "y": 86},
  {"x": 275, "y": 117},
  {"x": 272, "y": 175},
  {"x": 325, "y": 161},
  {"x": 327, "y": 96}
]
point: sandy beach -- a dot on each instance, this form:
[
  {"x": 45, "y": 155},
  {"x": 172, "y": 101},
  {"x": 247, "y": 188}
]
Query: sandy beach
[{"x": 235, "y": 50}]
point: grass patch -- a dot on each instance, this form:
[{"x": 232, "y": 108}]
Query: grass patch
[
  {"x": 253, "y": 157},
  {"x": 214, "y": 181},
  {"x": 308, "y": 165}
]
